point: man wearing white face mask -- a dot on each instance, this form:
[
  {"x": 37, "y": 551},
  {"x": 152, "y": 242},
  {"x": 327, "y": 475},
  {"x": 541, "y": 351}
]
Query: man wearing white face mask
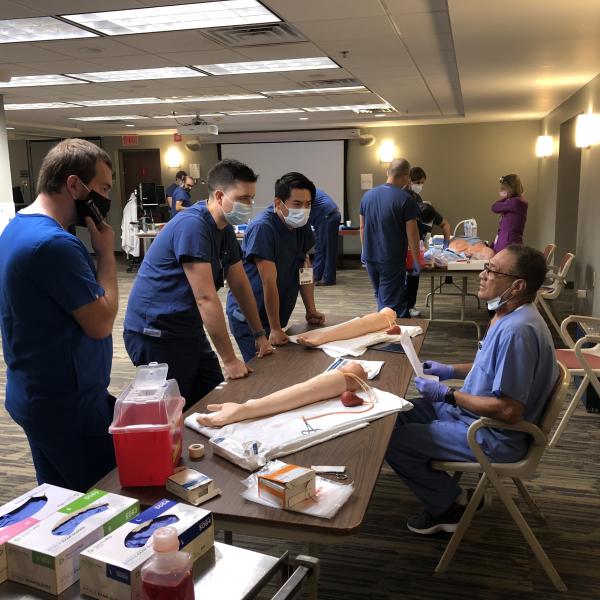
[
  {"x": 174, "y": 297},
  {"x": 275, "y": 259},
  {"x": 510, "y": 380}
]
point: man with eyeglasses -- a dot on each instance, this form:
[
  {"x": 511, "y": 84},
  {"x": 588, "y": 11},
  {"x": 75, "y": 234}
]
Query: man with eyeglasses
[
  {"x": 510, "y": 380},
  {"x": 174, "y": 297}
]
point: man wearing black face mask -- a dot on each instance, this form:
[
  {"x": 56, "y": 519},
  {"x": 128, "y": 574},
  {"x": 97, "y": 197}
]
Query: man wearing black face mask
[{"x": 57, "y": 312}]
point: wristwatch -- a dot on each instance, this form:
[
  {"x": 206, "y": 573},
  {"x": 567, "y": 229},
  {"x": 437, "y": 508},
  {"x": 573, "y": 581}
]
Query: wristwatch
[
  {"x": 449, "y": 397},
  {"x": 260, "y": 333}
]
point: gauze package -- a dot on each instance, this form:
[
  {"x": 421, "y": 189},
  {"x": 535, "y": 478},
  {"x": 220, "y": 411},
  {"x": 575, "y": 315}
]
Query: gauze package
[
  {"x": 46, "y": 556},
  {"x": 111, "y": 568},
  {"x": 26, "y": 511}
]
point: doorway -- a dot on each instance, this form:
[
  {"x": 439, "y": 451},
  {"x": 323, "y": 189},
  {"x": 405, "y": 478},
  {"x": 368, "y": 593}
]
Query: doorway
[{"x": 139, "y": 166}]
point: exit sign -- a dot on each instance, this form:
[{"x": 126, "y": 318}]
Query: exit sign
[
  {"x": 176, "y": 137},
  {"x": 130, "y": 140}
]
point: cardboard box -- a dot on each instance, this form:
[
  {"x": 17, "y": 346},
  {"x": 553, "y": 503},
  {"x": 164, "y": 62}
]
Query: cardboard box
[
  {"x": 111, "y": 568},
  {"x": 46, "y": 556},
  {"x": 467, "y": 265},
  {"x": 287, "y": 486},
  {"x": 35, "y": 506},
  {"x": 191, "y": 485}
]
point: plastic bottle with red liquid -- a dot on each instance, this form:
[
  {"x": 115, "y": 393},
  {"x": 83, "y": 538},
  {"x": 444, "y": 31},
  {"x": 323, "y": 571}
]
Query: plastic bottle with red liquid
[{"x": 168, "y": 574}]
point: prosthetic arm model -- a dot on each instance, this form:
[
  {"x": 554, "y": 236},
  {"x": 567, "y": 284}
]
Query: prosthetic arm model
[
  {"x": 384, "y": 319},
  {"x": 325, "y": 386}
]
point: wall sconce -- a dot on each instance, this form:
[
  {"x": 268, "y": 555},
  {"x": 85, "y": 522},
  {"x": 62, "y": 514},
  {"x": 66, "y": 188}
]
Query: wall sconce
[
  {"x": 173, "y": 158},
  {"x": 587, "y": 130},
  {"x": 387, "y": 151},
  {"x": 544, "y": 146}
]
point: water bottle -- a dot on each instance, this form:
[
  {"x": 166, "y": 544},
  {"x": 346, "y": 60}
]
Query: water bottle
[
  {"x": 168, "y": 574},
  {"x": 468, "y": 228}
]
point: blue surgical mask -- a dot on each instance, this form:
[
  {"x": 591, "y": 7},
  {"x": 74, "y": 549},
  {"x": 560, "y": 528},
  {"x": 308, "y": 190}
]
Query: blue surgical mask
[
  {"x": 240, "y": 213},
  {"x": 499, "y": 301},
  {"x": 416, "y": 187},
  {"x": 297, "y": 217}
]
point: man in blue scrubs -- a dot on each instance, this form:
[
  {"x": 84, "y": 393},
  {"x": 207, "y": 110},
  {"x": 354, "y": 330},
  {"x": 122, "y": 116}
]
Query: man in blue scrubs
[
  {"x": 174, "y": 296},
  {"x": 179, "y": 179},
  {"x": 510, "y": 380},
  {"x": 275, "y": 259},
  {"x": 181, "y": 198},
  {"x": 388, "y": 226},
  {"x": 325, "y": 220},
  {"x": 56, "y": 313}
]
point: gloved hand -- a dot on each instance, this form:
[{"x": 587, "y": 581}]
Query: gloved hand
[
  {"x": 416, "y": 269},
  {"x": 431, "y": 390},
  {"x": 445, "y": 244},
  {"x": 443, "y": 371}
]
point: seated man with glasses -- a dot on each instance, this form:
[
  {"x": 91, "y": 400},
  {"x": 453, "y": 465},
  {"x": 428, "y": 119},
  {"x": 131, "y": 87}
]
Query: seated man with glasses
[
  {"x": 174, "y": 297},
  {"x": 510, "y": 380}
]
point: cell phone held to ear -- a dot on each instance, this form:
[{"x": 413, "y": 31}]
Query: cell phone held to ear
[{"x": 94, "y": 206}]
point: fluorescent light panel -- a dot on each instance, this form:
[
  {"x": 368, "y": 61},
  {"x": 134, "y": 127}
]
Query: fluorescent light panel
[
  {"x": 186, "y": 116},
  {"x": 201, "y": 15},
  {"x": 121, "y": 101},
  {"x": 38, "y": 80},
  {"x": 269, "y": 66},
  {"x": 266, "y": 111},
  {"x": 352, "y": 89},
  {"x": 39, "y": 106},
  {"x": 37, "y": 29},
  {"x": 223, "y": 97},
  {"x": 138, "y": 74},
  {"x": 347, "y": 107},
  {"x": 109, "y": 118}
]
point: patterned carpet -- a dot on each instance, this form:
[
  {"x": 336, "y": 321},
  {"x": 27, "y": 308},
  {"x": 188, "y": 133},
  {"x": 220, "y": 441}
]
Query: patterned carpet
[{"x": 386, "y": 561}]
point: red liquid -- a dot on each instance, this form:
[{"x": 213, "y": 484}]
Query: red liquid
[{"x": 184, "y": 590}]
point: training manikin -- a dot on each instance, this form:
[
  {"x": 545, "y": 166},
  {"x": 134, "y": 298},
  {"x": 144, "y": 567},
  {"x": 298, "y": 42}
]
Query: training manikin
[{"x": 325, "y": 386}]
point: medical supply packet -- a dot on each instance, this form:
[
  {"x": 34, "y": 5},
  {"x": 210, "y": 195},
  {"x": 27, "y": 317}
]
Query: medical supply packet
[
  {"x": 191, "y": 485},
  {"x": 287, "y": 486},
  {"x": 46, "y": 556},
  {"x": 111, "y": 568},
  {"x": 26, "y": 511}
]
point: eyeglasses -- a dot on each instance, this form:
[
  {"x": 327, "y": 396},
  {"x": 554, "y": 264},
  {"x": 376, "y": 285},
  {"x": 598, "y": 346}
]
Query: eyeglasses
[{"x": 487, "y": 269}]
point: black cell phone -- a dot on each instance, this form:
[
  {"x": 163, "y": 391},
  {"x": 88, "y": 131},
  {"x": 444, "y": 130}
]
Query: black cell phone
[
  {"x": 393, "y": 347},
  {"x": 93, "y": 211}
]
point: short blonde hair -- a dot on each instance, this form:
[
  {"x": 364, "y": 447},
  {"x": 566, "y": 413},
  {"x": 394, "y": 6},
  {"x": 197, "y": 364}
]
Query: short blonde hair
[{"x": 513, "y": 183}]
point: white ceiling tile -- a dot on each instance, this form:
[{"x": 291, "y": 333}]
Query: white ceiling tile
[
  {"x": 281, "y": 51},
  {"x": 316, "y": 10},
  {"x": 179, "y": 41},
  {"x": 28, "y": 53},
  {"x": 307, "y": 76},
  {"x": 137, "y": 61},
  {"x": 90, "y": 48},
  {"x": 61, "y": 7},
  {"x": 346, "y": 28},
  {"x": 415, "y": 6},
  {"x": 11, "y": 10},
  {"x": 195, "y": 57}
]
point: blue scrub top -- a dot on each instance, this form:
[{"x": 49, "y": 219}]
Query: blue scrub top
[
  {"x": 170, "y": 189},
  {"x": 516, "y": 359},
  {"x": 45, "y": 274},
  {"x": 180, "y": 195},
  {"x": 321, "y": 206},
  {"x": 269, "y": 238},
  {"x": 386, "y": 209},
  {"x": 161, "y": 303}
]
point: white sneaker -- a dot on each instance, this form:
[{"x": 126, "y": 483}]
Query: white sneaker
[{"x": 413, "y": 312}]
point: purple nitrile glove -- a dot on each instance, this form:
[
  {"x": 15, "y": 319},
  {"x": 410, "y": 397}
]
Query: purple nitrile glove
[
  {"x": 431, "y": 367},
  {"x": 431, "y": 390},
  {"x": 445, "y": 244},
  {"x": 416, "y": 269}
]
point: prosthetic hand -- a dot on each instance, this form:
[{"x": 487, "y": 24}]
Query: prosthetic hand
[
  {"x": 322, "y": 387},
  {"x": 431, "y": 390},
  {"x": 383, "y": 320},
  {"x": 440, "y": 369}
]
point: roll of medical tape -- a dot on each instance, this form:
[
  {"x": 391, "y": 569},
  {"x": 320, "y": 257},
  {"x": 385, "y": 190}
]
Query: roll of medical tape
[{"x": 196, "y": 451}]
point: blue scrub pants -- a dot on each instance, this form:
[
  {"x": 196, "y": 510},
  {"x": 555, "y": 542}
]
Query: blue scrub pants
[
  {"x": 389, "y": 286},
  {"x": 435, "y": 431},
  {"x": 192, "y": 362},
  {"x": 243, "y": 336},
  {"x": 70, "y": 444},
  {"x": 326, "y": 248}
]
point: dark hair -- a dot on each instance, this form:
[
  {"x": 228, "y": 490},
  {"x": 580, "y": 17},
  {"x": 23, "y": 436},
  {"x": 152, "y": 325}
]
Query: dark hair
[
  {"x": 180, "y": 174},
  {"x": 417, "y": 173},
  {"x": 427, "y": 212},
  {"x": 69, "y": 157},
  {"x": 293, "y": 181},
  {"x": 399, "y": 167},
  {"x": 226, "y": 172},
  {"x": 530, "y": 265},
  {"x": 513, "y": 183}
]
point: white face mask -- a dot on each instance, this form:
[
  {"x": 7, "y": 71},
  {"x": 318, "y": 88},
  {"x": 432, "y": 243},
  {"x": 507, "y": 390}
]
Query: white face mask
[
  {"x": 498, "y": 301},
  {"x": 297, "y": 217},
  {"x": 503, "y": 194},
  {"x": 417, "y": 187},
  {"x": 240, "y": 213}
]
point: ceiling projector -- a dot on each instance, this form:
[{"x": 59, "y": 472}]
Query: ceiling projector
[{"x": 198, "y": 127}]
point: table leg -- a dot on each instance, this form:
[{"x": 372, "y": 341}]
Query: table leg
[
  {"x": 228, "y": 537},
  {"x": 431, "y": 297},
  {"x": 463, "y": 298}
]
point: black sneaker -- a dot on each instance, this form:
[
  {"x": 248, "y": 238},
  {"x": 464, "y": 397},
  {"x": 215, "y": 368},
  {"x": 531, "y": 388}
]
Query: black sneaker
[{"x": 426, "y": 523}]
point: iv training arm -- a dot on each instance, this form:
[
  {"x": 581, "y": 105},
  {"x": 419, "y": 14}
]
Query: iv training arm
[{"x": 322, "y": 387}]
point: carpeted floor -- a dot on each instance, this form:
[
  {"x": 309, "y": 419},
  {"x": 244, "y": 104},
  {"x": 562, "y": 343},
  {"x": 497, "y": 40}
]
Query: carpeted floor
[{"x": 385, "y": 560}]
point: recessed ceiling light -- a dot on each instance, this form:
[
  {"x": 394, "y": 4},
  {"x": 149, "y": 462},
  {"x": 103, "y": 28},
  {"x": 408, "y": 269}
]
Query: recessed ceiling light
[
  {"x": 269, "y": 66},
  {"x": 186, "y": 116},
  {"x": 347, "y": 107},
  {"x": 138, "y": 74},
  {"x": 303, "y": 118},
  {"x": 129, "y": 125},
  {"x": 352, "y": 89},
  {"x": 215, "y": 98},
  {"x": 9, "y": 127},
  {"x": 201, "y": 15},
  {"x": 121, "y": 101},
  {"x": 381, "y": 115},
  {"x": 266, "y": 111},
  {"x": 109, "y": 118},
  {"x": 35, "y": 80},
  {"x": 39, "y": 105},
  {"x": 39, "y": 28}
]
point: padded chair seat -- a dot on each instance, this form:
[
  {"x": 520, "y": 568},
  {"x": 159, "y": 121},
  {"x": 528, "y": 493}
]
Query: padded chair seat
[{"x": 570, "y": 360}]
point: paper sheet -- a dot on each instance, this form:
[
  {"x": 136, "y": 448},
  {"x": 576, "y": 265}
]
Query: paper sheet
[{"x": 411, "y": 354}]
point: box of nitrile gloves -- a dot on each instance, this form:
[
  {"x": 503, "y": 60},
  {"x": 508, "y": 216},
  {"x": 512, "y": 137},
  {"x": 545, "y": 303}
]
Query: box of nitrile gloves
[
  {"x": 28, "y": 510},
  {"x": 111, "y": 568},
  {"x": 46, "y": 556}
]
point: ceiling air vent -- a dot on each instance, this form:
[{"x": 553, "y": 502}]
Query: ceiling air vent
[
  {"x": 254, "y": 35},
  {"x": 346, "y": 82}
]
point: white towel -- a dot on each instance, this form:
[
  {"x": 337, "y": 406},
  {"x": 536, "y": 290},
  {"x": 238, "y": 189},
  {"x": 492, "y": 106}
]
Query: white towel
[
  {"x": 130, "y": 242},
  {"x": 251, "y": 444}
]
